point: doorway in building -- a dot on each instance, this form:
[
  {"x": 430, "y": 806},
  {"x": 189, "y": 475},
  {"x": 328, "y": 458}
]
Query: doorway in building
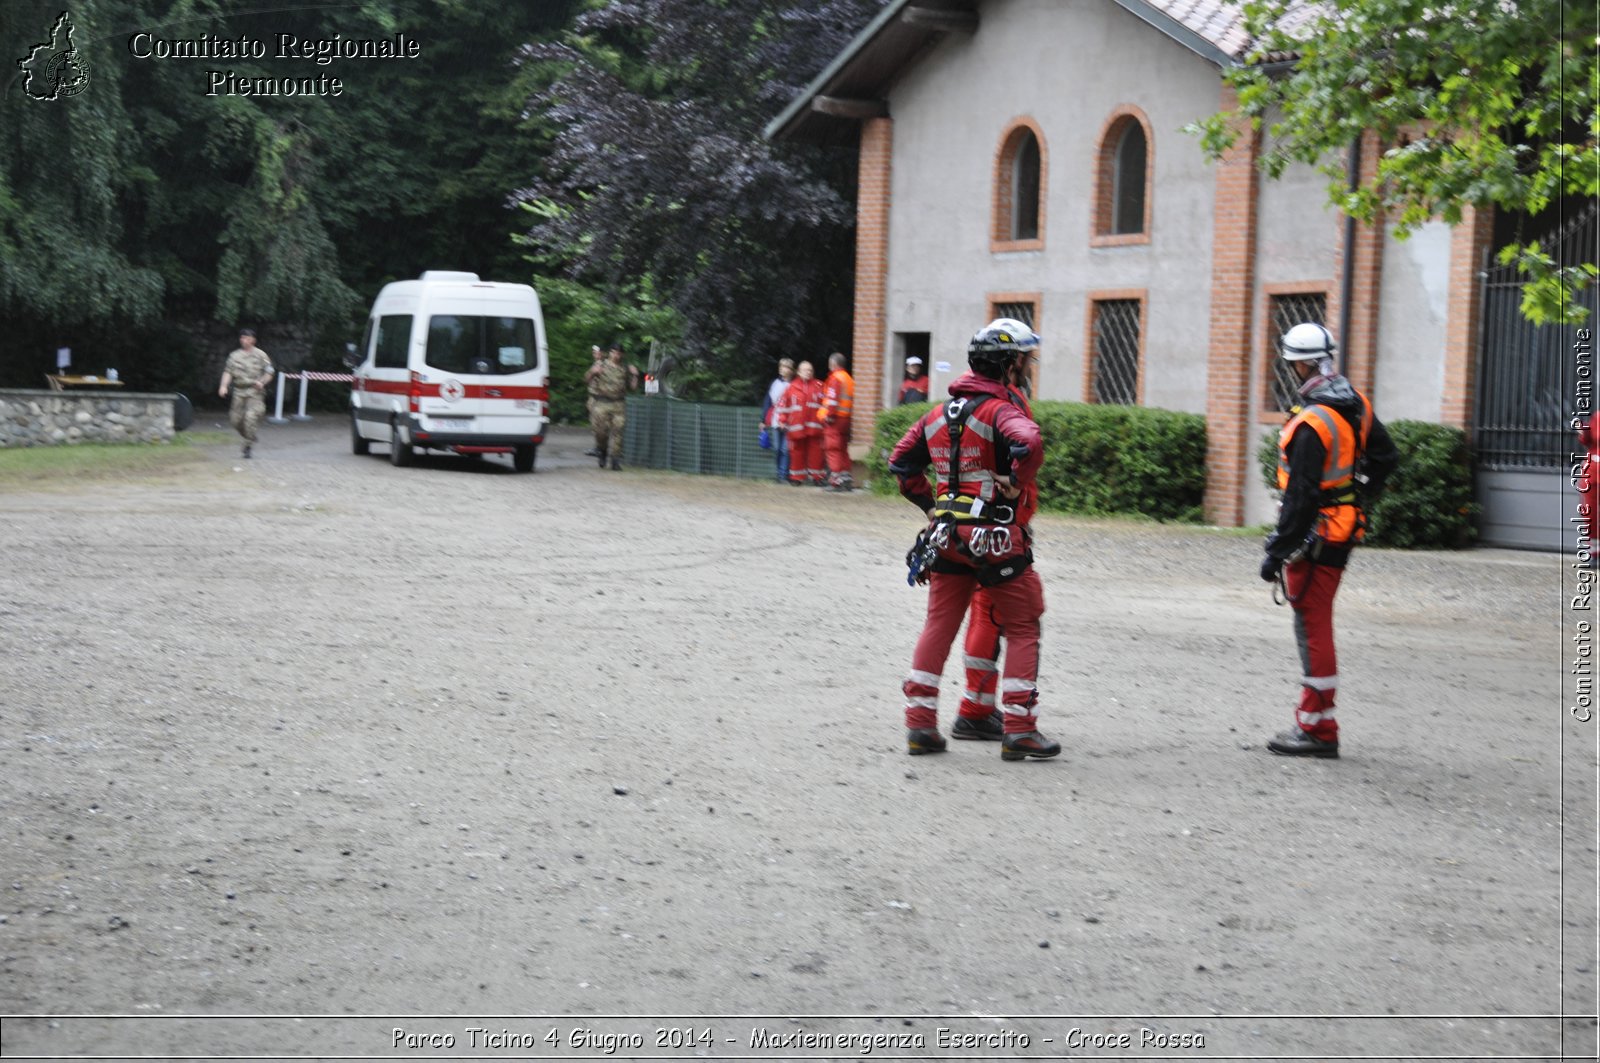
[{"x": 907, "y": 345}]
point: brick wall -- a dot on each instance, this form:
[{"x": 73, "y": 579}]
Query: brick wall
[
  {"x": 1469, "y": 244},
  {"x": 872, "y": 275},
  {"x": 1360, "y": 363},
  {"x": 1228, "y": 358}
]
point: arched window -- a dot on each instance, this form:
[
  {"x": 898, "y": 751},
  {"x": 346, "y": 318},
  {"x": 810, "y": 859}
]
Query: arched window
[
  {"x": 1127, "y": 196},
  {"x": 1025, "y": 189},
  {"x": 1122, "y": 179},
  {"x": 1019, "y": 184}
]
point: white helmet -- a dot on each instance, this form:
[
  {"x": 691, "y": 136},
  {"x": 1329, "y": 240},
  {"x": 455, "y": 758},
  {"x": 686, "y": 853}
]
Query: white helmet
[{"x": 1306, "y": 342}]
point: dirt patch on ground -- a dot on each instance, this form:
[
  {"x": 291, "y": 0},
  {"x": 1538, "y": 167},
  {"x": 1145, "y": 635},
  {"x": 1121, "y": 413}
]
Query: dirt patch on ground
[{"x": 312, "y": 735}]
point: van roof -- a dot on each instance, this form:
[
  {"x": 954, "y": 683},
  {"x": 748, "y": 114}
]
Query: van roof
[{"x": 457, "y": 283}]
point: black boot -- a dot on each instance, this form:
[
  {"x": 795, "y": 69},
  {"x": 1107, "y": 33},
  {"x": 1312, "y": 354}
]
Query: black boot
[
  {"x": 592, "y": 452},
  {"x": 600, "y": 452},
  {"x": 246, "y": 451},
  {"x": 616, "y": 463},
  {"x": 1028, "y": 744},
  {"x": 920, "y": 740},
  {"x": 990, "y": 728},
  {"x": 1298, "y": 743}
]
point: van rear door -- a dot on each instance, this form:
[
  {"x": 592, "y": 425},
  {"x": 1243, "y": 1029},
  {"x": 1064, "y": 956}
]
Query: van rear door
[{"x": 484, "y": 372}]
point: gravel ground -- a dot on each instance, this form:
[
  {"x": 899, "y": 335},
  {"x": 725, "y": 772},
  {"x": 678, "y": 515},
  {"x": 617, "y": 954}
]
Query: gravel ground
[{"x": 311, "y": 735}]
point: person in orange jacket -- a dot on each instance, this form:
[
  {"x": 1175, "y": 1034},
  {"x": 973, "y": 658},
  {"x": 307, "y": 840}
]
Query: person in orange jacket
[
  {"x": 798, "y": 412},
  {"x": 979, "y": 716},
  {"x": 838, "y": 396},
  {"x": 1333, "y": 458}
]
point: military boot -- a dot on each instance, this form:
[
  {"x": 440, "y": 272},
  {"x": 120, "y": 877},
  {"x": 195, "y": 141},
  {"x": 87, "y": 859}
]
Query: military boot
[
  {"x": 600, "y": 453},
  {"x": 616, "y": 463}
]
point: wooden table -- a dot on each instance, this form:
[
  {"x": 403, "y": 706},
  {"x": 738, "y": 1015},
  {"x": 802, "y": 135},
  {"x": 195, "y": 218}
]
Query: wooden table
[{"x": 62, "y": 383}]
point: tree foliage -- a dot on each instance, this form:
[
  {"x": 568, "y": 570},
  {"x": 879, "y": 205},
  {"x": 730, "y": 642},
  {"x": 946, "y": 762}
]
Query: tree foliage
[
  {"x": 658, "y": 170},
  {"x": 1480, "y": 104},
  {"x": 142, "y": 201}
]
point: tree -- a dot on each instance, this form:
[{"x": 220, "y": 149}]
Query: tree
[
  {"x": 659, "y": 171},
  {"x": 1480, "y": 104}
]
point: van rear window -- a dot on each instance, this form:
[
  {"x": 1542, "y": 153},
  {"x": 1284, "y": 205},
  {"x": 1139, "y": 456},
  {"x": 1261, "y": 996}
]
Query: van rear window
[{"x": 484, "y": 346}]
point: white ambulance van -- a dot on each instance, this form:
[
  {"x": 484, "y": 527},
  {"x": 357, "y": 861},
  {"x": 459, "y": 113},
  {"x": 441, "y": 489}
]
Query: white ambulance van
[{"x": 450, "y": 362}]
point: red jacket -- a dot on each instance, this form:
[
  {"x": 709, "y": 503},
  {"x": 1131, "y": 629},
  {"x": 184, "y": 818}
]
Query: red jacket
[
  {"x": 797, "y": 410},
  {"x": 994, "y": 428}
]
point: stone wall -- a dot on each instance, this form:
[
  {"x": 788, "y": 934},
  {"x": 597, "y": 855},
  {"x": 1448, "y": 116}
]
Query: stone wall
[{"x": 54, "y": 418}]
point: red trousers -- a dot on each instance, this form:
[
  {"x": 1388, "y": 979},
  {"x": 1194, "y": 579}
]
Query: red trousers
[
  {"x": 981, "y": 656},
  {"x": 805, "y": 457},
  {"x": 1311, "y": 589},
  {"x": 836, "y": 445},
  {"x": 1016, "y": 607}
]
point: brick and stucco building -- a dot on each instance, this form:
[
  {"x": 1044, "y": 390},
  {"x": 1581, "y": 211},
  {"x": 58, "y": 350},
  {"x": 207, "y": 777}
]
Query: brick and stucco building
[{"x": 1028, "y": 157}]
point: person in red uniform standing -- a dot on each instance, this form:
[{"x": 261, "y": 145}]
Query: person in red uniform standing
[
  {"x": 798, "y": 408},
  {"x": 979, "y": 717},
  {"x": 838, "y": 396},
  {"x": 985, "y": 452},
  {"x": 1333, "y": 457}
]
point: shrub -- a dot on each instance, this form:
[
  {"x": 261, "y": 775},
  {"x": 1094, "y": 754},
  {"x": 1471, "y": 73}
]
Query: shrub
[
  {"x": 1099, "y": 459},
  {"x": 1427, "y": 501}
]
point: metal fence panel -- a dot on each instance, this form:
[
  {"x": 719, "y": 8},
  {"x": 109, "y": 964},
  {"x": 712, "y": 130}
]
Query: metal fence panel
[
  {"x": 693, "y": 437},
  {"x": 1526, "y": 372}
]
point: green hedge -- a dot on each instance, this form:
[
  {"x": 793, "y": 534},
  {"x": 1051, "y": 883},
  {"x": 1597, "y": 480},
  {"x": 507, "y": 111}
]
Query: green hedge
[
  {"x": 1427, "y": 501},
  {"x": 1097, "y": 459}
]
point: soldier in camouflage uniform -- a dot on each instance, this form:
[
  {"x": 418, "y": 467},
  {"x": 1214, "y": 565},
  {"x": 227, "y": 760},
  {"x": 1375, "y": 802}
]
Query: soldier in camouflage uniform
[
  {"x": 251, "y": 370},
  {"x": 611, "y": 381}
]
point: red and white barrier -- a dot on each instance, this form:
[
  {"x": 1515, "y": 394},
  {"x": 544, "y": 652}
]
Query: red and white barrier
[{"x": 302, "y": 376}]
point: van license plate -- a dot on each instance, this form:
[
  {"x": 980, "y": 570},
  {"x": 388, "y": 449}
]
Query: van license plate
[
  {"x": 527, "y": 404},
  {"x": 451, "y": 424}
]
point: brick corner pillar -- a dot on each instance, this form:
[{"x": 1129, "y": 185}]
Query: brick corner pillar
[
  {"x": 1361, "y": 346},
  {"x": 872, "y": 275},
  {"x": 1233, "y": 253},
  {"x": 1469, "y": 248}
]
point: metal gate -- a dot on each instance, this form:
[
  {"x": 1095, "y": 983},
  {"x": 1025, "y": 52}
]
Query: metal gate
[{"x": 1526, "y": 377}]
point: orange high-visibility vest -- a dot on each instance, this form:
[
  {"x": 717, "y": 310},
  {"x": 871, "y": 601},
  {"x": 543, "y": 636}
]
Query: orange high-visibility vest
[
  {"x": 1339, "y": 518},
  {"x": 839, "y": 394}
]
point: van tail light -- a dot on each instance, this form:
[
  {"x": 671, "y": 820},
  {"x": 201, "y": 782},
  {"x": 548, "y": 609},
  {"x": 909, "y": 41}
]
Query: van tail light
[{"x": 414, "y": 395}]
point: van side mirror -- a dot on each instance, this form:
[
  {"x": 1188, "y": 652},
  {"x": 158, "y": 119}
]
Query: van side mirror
[{"x": 352, "y": 357}]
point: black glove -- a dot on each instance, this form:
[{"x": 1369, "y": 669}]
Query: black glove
[{"x": 1270, "y": 567}]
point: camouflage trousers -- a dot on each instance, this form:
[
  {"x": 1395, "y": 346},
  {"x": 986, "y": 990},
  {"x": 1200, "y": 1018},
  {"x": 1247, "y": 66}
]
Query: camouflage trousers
[
  {"x": 249, "y": 407},
  {"x": 609, "y": 417}
]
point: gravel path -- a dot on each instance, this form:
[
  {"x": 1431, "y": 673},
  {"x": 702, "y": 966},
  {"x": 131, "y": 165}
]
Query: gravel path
[{"x": 313, "y": 735}]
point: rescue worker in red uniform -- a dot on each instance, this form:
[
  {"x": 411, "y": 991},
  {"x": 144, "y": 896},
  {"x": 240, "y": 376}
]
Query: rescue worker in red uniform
[
  {"x": 1588, "y": 484},
  {"x": 838, "y": 396},
  {"x": 798, "y": 410},
  {"x": 1333, "y": 457},
  {"x": 985, "y": 452},
  {"x": 978, "y": 716}
]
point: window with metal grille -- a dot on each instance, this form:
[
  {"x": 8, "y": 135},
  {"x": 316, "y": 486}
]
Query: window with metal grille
[
  {"x": 1023, "y": 312},
  {"x": 1115, "y": 368},
  {"x": 1284, "y": 313}
]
